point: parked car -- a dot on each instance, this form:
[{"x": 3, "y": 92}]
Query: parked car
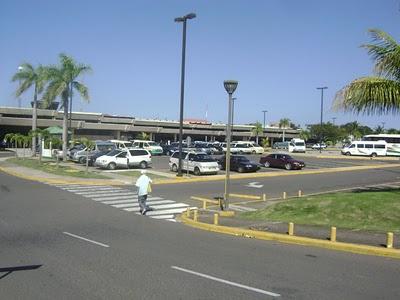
[
  {"x": 153, "y": 147},
  {"x": 124, "y": 159},
  {"x": 122, "y": 144},
  {"x": 277, "y": 160},
  {"x": 206, "y": 148},
  {"x": 92, "y": 156},
  {"x": 170, "y": 149},
  {"x": 239, "y": 163},
  {"x": 71, "y": 151},
  {"x": 317, "y": 146},
  {"x": 217, "y": 149},
  {"x": 280, "y": 145},
  {"x": 105, "y": 146},
  {"x": 239, "y": 148},
  {"x": 196, "y": 162},
  {"x": 255, "y": 148}
]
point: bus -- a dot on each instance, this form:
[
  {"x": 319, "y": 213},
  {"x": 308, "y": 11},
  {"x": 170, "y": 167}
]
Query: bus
[{"x": 392, "y": 140}]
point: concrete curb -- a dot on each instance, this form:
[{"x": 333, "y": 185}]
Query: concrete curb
[{"x": 339, "y": 246}]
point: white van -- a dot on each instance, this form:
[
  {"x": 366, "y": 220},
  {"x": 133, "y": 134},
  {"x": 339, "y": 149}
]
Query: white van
[
  {"x": 153, "y": 147},
  {"x": 297, "y": 145},
  {"x": 366, "y": 148},
  {"x": 123, "y": 145},
  {"x": 255, "y": 149}
]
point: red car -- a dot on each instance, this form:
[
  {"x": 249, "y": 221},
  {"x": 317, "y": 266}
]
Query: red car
[{"x": 277, "y": 160}]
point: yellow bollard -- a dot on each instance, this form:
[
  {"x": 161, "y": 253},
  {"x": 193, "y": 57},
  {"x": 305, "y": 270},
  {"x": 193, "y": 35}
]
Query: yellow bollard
[
  {"x": 389, "y": 240},
  {"x": 216, "y": 219},
  {"x": 264, "y": 197},
  {"x": 333, "y": 234},
  {"x": 291, "y": 228},
  {"x": 188, "y": 212},
  {"x": 204, "y": 204},
  {"x": 284, "y": 195},
  {"x": 299, "y": 194},
  {"x": 195, "y": 215}
]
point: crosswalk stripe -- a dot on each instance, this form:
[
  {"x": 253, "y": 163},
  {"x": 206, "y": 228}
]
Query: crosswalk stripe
[
  {"x": 241, "y": 208},
  {"x": 159, "y": 208},
  {"x": 101, "y": 192},
  {"x": 116, "y": 198},
  {"x": 87, "y": 190},
  {"x": 132, "y": 200},
  {"x": 109, "y": 194},
  {"x": 163, "y": 217},
  {"x": 79, "y": 186},
  {"x": 136, "y": 204},
  {"x": 167, "y": 211}
]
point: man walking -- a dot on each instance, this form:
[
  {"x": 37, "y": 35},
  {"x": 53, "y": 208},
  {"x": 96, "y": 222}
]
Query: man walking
[{"x": 143, "y": 184}]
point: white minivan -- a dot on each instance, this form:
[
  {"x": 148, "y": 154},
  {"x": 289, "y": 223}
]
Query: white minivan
[
  {"x": 153, "y": 147},
  {"x": 297, "y": 145},
  {"x": 366, "y": 148},
  {"x": 124, "y": 145}
]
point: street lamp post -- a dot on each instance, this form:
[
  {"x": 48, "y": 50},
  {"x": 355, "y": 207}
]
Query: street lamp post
[
  {"x": 233, "y": 109},
  {"x": 264, "y": 112},
  {"x": 322, "y": 107},
  {"x": 182, "y": 20},
  {"x": 230, "y": 87}
]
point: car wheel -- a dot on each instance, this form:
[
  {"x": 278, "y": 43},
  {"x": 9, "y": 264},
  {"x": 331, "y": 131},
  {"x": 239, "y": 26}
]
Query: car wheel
[
  {"x": 254, "y": 152},
  {"x": 81, "y": 160},
  {"x": 348, "y": 153},
  {"x": 143, "y": 165},
  {"x": 267, "y": 164},
  {"x": 174, "y": 168},
  {"x": 374, "y": 155},
  {"x": 197, "y": 171},
  {"x": 112, "y": 166},
  {"x": 288, "y": 166},
  {"x": 240, "y": 169}
]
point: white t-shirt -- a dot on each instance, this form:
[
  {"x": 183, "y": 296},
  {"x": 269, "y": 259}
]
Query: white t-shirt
[{"x": 143, "y": 183}]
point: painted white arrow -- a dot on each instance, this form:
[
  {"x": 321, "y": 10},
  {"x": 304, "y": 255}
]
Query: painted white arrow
[{"x": 255, "y": 185}]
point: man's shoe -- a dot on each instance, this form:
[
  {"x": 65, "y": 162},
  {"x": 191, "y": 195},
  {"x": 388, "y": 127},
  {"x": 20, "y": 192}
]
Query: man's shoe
[{"x": 144, "y": 211}]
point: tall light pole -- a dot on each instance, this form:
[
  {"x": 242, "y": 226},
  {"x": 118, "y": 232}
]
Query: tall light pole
[
  {"x": 230, "y": 87},
  {"x": 182, "y": 20},
  {"x": 322, "y": 108},
  {"x": 20, "y": 68},
  {"x": 233, "y": 109},
  {"x": 333, "y": 120},
  {"x": 264, "y": 112}
]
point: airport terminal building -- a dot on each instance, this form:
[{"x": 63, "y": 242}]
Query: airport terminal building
[{"x": 101, "y": 126}]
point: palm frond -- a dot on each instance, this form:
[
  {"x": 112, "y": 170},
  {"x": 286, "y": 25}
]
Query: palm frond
[
  {"x": 82, "y": 89},
  {"x": 369, "y": 95}
]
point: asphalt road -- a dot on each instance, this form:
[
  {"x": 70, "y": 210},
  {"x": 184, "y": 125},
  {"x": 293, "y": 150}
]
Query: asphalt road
[{"x": 126, "y": 256}]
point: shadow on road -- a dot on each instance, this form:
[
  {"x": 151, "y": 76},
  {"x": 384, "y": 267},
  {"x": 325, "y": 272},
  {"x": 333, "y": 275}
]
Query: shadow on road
[{"x": 9, "y": 270}]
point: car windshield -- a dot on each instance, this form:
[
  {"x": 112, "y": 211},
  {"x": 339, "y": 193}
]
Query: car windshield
[
  {"x": 113, "y": 153},
  {"x": 299, "y": 144},
  {"x": 152, "y": 144},
  {"x": 241, "y": 158},
  {"x": 127, "y": 144},
  {"x": 203, "y": 157}
]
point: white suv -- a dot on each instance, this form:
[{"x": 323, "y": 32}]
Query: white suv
[
  {"x": 255, "y": 148},
  {"x": 196, "y": 162},
  {"x": 124, "y": 159}
]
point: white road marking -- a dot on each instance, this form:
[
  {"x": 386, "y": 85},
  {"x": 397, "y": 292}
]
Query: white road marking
[
  {"x": 132, "y": 200},
  {"x": 122, "y": 193},
  {"x": 161, "y": 209},
  {"x": 134, "y": 197},
  {"x": 101, "y": 192},
  {"x": 163, "y": 217},
  {"x": 255, "y": 185},
  {"x": 136, "y": 204},
  {"x": 166, "y": 211},
  {"x": 85, "y": 239},
  {"x": 227, "y": 282},
  {"x": 87, "y": 190}
]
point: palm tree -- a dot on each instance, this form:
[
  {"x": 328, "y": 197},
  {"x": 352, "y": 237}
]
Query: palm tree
[
  {"x": 379, "y": 129},
  {"x": 143, "y": 136},
  {"x": 28, "y": 76},
  {"x": 378, "y": 94},
  {"x": 63, "y": 82},
  {"x": 284, "y": 123},
  {"x": 89, "y": 144},
  {"x": 11, "y": 138},
  {"x": 257, "y": 130},
  {"x": 42, "y": 135}
]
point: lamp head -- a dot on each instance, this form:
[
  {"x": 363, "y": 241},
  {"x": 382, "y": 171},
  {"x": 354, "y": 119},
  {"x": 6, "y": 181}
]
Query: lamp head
[
  {"x": 184, "y": 18},
  {"x": 230, "y": 86}
]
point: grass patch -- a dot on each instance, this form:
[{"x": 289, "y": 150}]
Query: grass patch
[
  {"x": 134, "y": 173},
  {"x": 366, "y": 210},
  {"x": 50, "y": 166}
]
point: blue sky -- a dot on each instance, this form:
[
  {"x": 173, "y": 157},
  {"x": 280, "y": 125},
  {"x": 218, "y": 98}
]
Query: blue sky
[{"x": 278, "y": 50}]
